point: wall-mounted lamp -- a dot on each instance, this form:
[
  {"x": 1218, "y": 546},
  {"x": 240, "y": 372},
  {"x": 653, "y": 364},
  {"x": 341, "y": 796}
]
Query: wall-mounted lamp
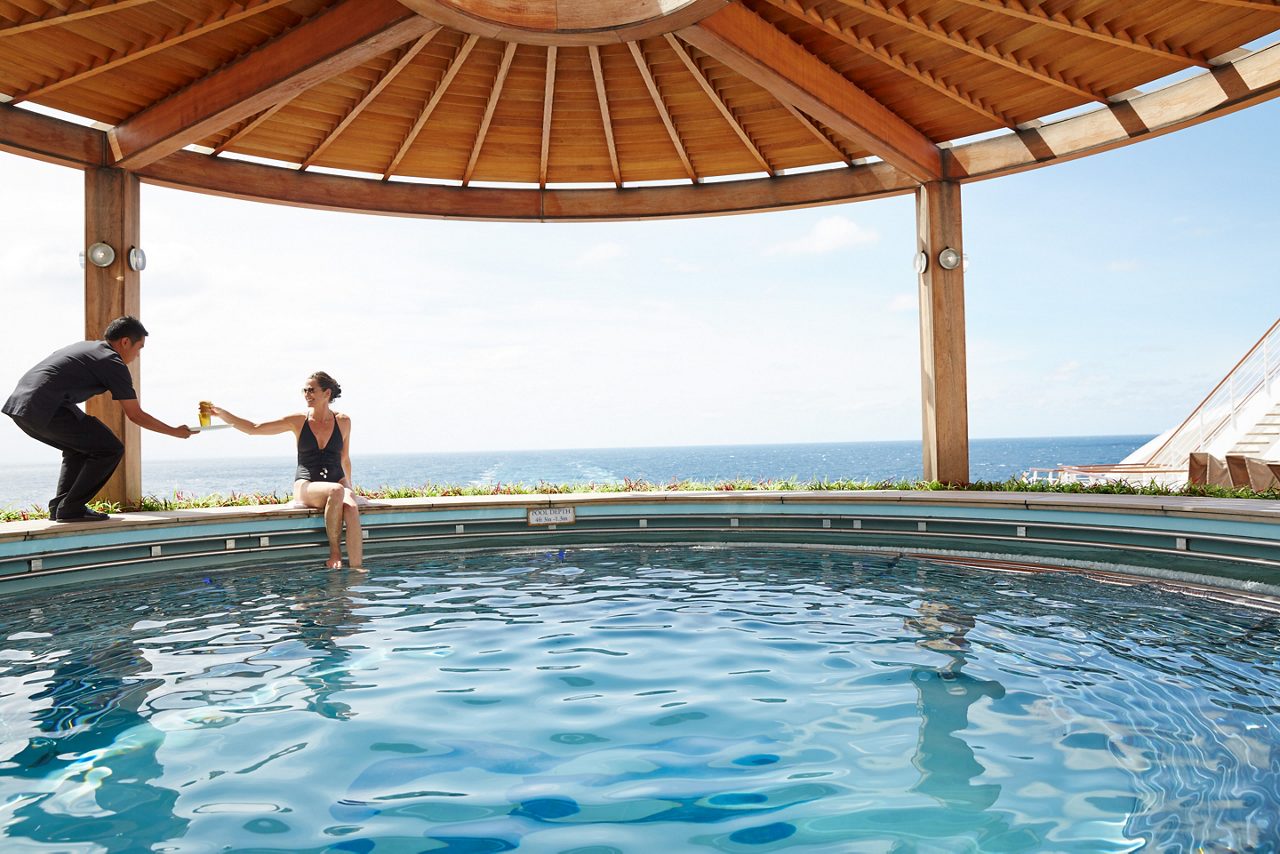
[
  {"x": 137, "y": 260},
  {"x": 101, "y": 255},
  {"x": 920, "y": 263},
  {"x": 949, "y": 259}
]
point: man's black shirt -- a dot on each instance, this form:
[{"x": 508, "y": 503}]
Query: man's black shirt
[{"x": 68, "y": 377}]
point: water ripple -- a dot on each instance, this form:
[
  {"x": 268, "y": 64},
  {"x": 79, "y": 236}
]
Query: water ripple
[{"x": 633, "y": 699}]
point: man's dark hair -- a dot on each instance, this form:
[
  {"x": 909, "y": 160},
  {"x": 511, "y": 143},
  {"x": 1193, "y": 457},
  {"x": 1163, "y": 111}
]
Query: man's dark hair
[{"x": 125, "y": 327}]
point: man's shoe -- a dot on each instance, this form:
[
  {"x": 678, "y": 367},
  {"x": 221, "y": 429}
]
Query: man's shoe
[
  {"x": 53, "y": 508},
  {"x": 85, "y": 515}
]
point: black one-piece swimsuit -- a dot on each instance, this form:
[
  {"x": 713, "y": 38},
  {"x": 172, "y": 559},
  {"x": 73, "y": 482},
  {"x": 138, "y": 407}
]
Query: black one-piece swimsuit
[{"x": 321, "y": 465}]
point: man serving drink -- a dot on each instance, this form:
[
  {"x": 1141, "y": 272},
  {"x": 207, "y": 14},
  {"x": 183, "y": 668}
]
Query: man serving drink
[{"x": 44, "y": 406}]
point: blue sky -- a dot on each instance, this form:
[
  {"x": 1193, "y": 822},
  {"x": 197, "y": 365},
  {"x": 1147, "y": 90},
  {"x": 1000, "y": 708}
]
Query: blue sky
[{"x": 1104, "y": 296}]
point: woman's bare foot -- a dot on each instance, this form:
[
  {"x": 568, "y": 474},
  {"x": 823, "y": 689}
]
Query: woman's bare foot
[
  {"x": 333, "y": 563},
  {"x": 357, "y": 569}
]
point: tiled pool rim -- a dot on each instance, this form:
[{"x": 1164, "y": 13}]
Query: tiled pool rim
[{"x": 1232, "y": 544}]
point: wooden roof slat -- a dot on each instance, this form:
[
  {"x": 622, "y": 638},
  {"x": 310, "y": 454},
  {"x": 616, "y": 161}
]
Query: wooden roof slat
[
  {"x": 747, "y": 43},
  {"x": 251, "y": 126},
  {"x": 434, "y": 101},
  {"x": 851, "y": 37},
  {"x": 384, "y": 81},
  {"x": 548, "y": 99},
  {"x": 507, "y": 55},
  {"x": 334, "y": 41},
  {"x": 719, "y": 104},
  {"x": 960, "y": 41},
  {"x": 812, "y": 126},
  {"x": 652, "y": 86},
  {"x": 234, "y": 13},
  {"x": 597, "y": 74},
  {"x": 75, "y": 12},
  {"x": 1081, "y": 26}
]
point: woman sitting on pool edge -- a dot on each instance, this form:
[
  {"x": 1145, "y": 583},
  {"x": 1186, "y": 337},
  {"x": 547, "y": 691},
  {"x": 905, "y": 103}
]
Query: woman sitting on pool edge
[{"x": 323, "y": 479}]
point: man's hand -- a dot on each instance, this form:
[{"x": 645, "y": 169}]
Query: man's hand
[{"x": 134, "y": 412}]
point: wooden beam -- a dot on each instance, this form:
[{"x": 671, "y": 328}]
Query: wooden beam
[
  {"x": 719, "y": 104},
  {"x": 369, "y": 97},
  {"x": 231, "y": 15},
  {"x": 897, "y": 62},
  {"x": 1080, "y": 26},
  {"x": 494, "y": 95},
  {"x": 111, "y": 216},
  {"x": 1259, "y": 5},
  {"x": 751, "y": 46},
  {"x": 334, "y": 41},
  {"x": 188, "y": 170},
  {"x": 652, "y": 86},
  {"x": 1227, "y": 88},
  {"x": 432, "y": 102},
  {"x": 958, "y": 40},
  {"x": 548, "y": 99},
  {"x": 51, "y": 140},
  {"x": 943, "y": 375},
  {"x": 565, "y": 23},
  {"x": 75, "y": 11},
  {"x": 597, "y": 72}
]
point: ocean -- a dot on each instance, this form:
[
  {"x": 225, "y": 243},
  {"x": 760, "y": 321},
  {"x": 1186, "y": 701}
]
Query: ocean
[{"x": 989, "y": 459}]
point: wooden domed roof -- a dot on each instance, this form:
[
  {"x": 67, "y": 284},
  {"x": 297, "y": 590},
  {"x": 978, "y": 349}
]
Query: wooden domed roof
[{"x": 422, "y": 106}]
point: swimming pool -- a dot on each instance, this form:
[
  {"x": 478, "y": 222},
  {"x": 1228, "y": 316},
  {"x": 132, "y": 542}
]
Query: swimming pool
[{"x": 637, "y": 699}]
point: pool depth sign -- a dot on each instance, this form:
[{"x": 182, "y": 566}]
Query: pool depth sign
[{"x": 552, "y": 516}]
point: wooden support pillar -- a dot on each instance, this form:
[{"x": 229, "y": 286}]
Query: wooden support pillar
[
  {"x": 111, "y": 216},
  {"x": 944, "y": 385}
]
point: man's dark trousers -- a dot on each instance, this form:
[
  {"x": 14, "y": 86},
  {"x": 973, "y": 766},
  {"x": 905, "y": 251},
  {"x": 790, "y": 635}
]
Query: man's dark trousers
[{"x": 90, "y": 454}]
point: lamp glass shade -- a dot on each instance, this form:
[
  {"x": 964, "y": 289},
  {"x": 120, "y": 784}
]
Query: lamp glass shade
[
  {"x": 137, "y": 259},
  {"x": 948, "y": 259},
  {"x": 101, "y": 255}
]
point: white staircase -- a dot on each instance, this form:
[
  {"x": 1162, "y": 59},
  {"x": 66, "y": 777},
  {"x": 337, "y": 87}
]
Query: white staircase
[
  {"x": 1261, "y": 438},
  {"x": 1241, "y": 416},
  {"x": 1243, "y": 409}
]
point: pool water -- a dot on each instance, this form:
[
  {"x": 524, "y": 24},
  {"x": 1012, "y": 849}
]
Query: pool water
[{"x": 636, "y": 700}]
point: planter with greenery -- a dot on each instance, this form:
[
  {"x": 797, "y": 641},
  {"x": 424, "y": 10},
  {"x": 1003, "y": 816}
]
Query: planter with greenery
[{"x": 183, "y": 501}]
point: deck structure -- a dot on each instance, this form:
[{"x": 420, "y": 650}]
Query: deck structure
[{"x": 579, "y": 110}]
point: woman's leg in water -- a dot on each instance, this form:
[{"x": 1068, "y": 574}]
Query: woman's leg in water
[
  {"x": 326, "y": 497},
  {"x": 355, "y": 537}
]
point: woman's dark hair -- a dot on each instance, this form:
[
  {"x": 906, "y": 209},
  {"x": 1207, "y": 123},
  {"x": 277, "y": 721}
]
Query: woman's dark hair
[
  {"x": 125, "y": 327},
  {"x": 327, "y": 383}
]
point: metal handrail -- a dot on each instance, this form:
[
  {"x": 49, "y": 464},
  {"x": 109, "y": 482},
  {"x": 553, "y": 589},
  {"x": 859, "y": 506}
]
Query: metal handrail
[{"x": 1254, "y": 373}]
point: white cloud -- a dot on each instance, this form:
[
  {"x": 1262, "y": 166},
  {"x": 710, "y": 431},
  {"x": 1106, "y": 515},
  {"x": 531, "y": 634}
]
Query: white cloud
[
  {"x": 827, "y": 235},
  {"x": 1124, "y": 265}
]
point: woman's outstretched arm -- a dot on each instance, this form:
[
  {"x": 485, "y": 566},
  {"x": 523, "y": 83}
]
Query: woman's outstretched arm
[{"x": 289, "y": 423}]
